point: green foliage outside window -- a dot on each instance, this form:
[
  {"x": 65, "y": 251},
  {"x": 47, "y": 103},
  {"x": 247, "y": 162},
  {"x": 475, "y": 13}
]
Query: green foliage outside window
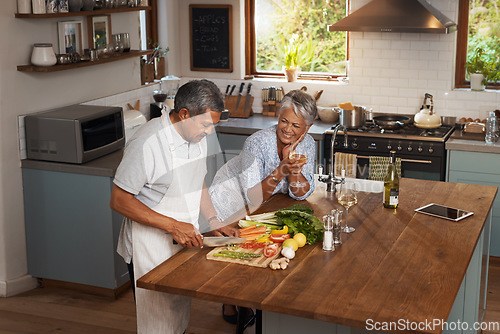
[
  {"x": 484, "y": 31},
  {"x": 319, "y": 50}
]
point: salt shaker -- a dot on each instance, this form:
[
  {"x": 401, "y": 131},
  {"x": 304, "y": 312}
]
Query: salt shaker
[
  {"x": 328, "y": 234},
  {"x": 491, "y": 128},
  {"x": 337, "y": 227}
]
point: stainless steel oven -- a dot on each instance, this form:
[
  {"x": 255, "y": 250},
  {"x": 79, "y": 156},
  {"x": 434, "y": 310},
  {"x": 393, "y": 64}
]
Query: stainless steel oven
[{"x": 422, "y": 151}]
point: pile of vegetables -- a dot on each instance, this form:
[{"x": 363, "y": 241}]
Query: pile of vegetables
[{"x": 297, "y": 218}]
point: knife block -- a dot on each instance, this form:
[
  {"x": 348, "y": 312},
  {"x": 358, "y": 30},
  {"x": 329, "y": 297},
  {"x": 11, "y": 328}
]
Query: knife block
[
  {"x": 241, "y": 112},
  {"x": 270, "y": 108}
]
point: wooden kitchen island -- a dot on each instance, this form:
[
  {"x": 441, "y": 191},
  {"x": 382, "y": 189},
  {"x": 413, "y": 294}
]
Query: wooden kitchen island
[{"x": 398, "y": 267}]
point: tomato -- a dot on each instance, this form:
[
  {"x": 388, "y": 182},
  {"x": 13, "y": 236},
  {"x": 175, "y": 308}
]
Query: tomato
[
  {"x": 253, "y": 245},
  {"x": 271, "y": 250},
  {"x": 279, "y": 237}
]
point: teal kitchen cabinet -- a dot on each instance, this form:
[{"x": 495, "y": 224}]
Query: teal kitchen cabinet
[
  {"x": 71, "y": 231},
  {"x": 479, "y": 168}
]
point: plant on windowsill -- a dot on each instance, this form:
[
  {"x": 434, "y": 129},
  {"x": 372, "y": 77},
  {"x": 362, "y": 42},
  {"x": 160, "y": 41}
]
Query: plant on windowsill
[
  {"x": 291, "y": 59},
  {"x": 481, "y": 71}
]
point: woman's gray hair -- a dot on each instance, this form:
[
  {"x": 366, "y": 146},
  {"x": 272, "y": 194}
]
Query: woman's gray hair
[{"x": 303, "y": 104}]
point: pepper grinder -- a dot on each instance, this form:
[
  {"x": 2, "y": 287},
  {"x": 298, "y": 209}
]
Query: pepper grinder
[{"x": 337, "y": 228}]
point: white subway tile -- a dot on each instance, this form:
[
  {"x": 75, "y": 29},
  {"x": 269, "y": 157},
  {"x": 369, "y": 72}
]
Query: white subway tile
[
  {"x": 400, "y": 45},
  {"x": 363, "y": 44},
  {"x": 408, "y": 54},
  {"x": 446, "y": 55},
  {"x": 400, "y": 83},
  {"x": 398, "y": 101},
  {"x": 381, "y": 44},
  {"x": 380, "y": 100},
  {"x": 428, "y": 55},
  {"x": 408, "y": 74},
  {"x": 419, "y": 64},
  {"x": 420, "y": 45}
]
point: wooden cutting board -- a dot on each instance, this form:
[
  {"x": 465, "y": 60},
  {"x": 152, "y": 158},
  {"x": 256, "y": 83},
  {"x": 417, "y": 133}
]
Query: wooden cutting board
[{"x": 261, "y": 261}]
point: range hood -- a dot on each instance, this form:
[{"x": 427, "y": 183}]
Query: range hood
[{"x": 396, "y": 16}]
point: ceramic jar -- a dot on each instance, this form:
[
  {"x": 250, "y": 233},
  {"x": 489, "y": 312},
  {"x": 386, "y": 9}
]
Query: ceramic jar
[
  {"x": 38, "y": 6},
  {"x": 24, "y": 6},
  {"x": 88, "y": 5},
  {"x": 75, "y": 5},
  {"x": 62, "y": 6},
  {"x": 43, "y": 55}
]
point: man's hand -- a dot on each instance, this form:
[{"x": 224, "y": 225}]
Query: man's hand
[
  {"x": 228, "y": 231},
  {"x": 187, "y": 235}
]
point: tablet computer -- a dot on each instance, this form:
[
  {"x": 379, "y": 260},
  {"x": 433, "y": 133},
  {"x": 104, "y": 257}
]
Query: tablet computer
[{"x": 445, "y": 212}]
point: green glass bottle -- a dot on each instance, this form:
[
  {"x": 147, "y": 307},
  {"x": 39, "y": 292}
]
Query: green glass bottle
[{"x": 391, "y": 184}]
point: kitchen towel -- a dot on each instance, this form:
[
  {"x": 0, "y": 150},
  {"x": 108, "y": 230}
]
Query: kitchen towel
[
  {"x": 378, "y": 167},
  {"x": 346, "y": 161}
]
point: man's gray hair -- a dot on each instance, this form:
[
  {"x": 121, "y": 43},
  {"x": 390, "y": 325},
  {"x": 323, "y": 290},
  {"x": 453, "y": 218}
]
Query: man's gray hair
[
  {"x": 197, "y": 96},
  {"x": 303, "y": 104}
]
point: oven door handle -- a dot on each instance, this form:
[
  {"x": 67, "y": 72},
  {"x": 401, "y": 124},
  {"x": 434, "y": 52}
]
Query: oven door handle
[{"x": 428, "y": 162}]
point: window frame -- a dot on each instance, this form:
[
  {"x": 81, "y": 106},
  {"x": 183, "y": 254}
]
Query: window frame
[
  {"x": 461, "y": 56},
  {"x": 250, "y": 52}
]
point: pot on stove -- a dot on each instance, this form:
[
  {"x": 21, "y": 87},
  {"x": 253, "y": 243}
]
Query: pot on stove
[
  {"x": 352, "y": 119},
  {"x": 427, "y": 118}
]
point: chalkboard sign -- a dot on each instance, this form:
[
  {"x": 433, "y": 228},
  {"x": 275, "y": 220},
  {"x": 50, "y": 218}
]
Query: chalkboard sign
[{"x": 211, "y": 38}]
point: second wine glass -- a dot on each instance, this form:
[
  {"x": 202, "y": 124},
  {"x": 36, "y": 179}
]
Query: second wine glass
[{"x": 347, "y": 197}]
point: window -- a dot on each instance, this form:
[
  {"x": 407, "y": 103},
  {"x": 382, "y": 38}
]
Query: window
[
  {"x": 271, "y": 24},
  {"x": 478, "y": 26}
]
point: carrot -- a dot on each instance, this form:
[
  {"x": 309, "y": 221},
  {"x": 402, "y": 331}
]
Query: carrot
[
  {"x": 258, "y": 230},
  {"x": 251, "y": 227}
]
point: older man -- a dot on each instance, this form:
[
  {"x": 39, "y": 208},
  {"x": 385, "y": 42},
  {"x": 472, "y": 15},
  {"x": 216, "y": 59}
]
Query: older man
[{"x": 159, "y": 187}]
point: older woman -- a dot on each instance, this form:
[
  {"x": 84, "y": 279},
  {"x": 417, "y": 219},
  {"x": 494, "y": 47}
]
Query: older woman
[{"x": 264, "y": 166}]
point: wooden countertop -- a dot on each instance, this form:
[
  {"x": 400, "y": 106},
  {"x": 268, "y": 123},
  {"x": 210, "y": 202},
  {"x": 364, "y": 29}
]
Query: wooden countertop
[{"x": 397, "y": 264}]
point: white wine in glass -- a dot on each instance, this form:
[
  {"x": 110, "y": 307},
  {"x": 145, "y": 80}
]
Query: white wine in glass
[
  {"x": 347, "y": 198},
  {"x": 298, "y": 158}
]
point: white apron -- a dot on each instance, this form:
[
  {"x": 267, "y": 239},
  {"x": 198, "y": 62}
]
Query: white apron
[{"x": 159, "y": 312}]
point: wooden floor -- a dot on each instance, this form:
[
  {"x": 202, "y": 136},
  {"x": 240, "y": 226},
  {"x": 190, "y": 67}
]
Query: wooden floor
[{"x": 51, "y": 310}]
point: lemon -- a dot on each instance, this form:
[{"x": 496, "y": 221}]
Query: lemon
[
  {"x": 291, "y": 243},
  {"x": 301, "y": 239}
]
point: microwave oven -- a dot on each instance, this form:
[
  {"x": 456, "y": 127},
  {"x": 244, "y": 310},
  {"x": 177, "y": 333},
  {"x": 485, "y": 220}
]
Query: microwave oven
[{"x": 74, "y": 134}]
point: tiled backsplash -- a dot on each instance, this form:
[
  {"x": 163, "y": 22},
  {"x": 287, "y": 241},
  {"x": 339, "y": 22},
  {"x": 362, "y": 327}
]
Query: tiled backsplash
[{"x": 144, "y": 95}]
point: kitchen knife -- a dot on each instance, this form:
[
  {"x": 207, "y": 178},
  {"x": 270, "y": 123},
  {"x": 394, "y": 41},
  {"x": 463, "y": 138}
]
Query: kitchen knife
[
  {"x": 221, "y": 241},
  {"x": 232, "y": 90},
  {"x": 247, "y": 98},
  {"x": 227, "y": 90},
  {"x": 239, "y": 96}
]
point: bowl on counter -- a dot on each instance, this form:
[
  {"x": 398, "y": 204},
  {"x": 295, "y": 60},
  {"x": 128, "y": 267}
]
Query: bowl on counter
[{"x": 328, "y": 114}]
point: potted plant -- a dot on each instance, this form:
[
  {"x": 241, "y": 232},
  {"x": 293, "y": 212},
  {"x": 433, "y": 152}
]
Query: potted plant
[
  {"x": 291, "y": 59},
  {"x": 481, "y": 71}
]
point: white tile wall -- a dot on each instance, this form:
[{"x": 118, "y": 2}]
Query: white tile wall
[{"x": 391, "y": 72}]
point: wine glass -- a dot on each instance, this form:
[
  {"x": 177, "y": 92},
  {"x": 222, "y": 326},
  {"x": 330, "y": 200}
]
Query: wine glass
[
  {"x": 298, "y": 156},
  {"x": 347, "y": 197}
]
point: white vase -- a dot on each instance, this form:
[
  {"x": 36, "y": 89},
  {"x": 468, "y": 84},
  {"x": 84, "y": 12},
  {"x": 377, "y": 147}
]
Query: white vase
[
  {"x": 24, "y": 6},
  {"x": 43, "y": 55},
  {"x": 38, "y": 6},
  {"x": 476, "y": 81},
  {"x": 292, "y": 74}
]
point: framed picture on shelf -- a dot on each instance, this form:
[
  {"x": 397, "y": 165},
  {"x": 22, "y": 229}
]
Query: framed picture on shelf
[
  {"x": 70, "y": 36},
  {"x": 99, "y": 31}
]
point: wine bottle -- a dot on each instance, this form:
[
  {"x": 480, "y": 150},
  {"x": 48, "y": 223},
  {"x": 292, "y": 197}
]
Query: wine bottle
[{"x": 391, "y": 184}]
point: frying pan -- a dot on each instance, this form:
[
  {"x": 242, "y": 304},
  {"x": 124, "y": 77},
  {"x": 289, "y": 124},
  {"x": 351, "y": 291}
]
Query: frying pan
[{"x": 391, "y": 122}]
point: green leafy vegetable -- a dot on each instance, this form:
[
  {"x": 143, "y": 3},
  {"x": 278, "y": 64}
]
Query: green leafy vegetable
[{"x": 300, "y": 219}]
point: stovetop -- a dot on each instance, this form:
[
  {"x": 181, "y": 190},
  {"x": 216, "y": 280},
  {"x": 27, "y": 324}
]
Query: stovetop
[{"x": 410, "y": 132}]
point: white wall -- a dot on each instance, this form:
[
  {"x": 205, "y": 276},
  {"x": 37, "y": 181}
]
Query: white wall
[
  {"x": 389, "y": 72},
  {"x": 22, "y": 93}
]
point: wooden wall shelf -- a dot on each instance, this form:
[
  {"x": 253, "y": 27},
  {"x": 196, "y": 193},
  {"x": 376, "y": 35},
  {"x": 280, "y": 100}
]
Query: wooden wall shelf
[
  {"x": 102, "y": 60},
  {"x": 83, "y": 13}
]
